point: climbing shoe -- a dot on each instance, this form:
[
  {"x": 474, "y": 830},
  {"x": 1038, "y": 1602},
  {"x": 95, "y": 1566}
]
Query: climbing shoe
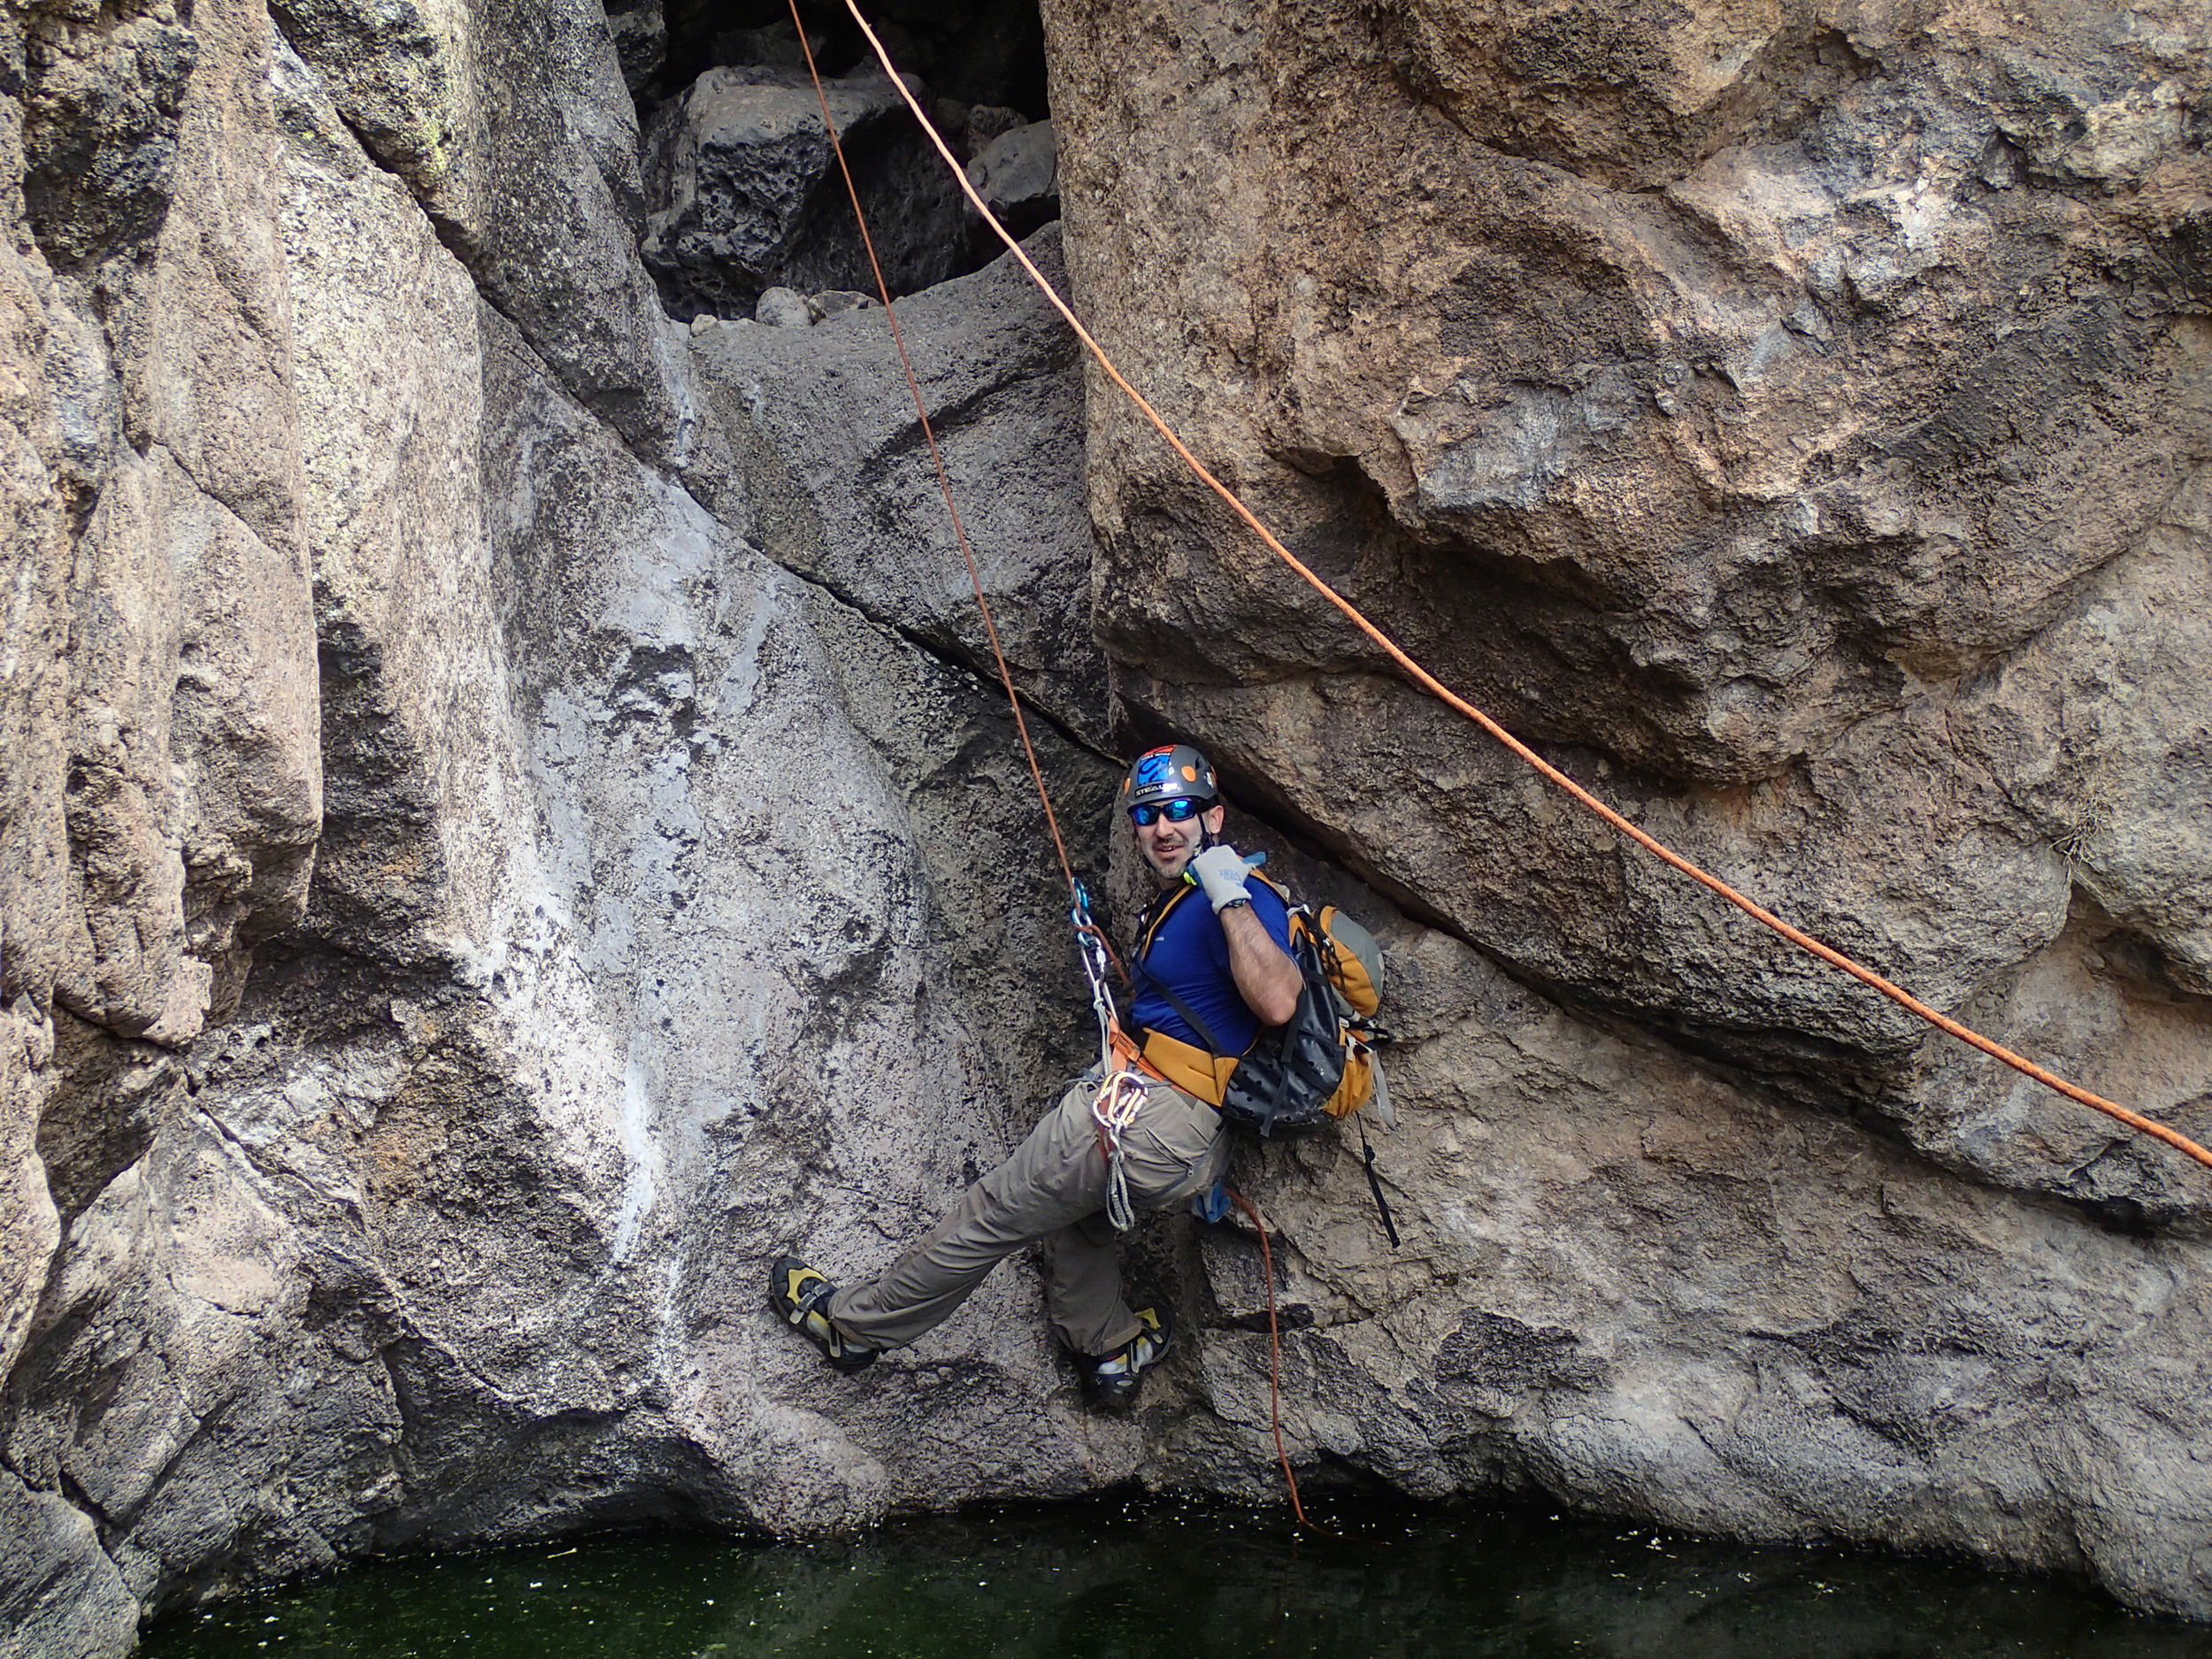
[
  {"x": 796, "y": 1292},
  {"x": 1115, "y": 1377}
]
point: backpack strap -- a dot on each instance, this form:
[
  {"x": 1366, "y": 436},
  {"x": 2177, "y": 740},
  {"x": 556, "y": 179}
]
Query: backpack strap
[
  {"x": 1149, "y": 920},
  {"x": 1180, "y": 1060},
  {"x": 1148, "y": 928},
  {"x": 1189, "y": 1014}
]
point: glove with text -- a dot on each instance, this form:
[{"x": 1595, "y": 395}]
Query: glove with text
[{"x": 1221, "y": 871}]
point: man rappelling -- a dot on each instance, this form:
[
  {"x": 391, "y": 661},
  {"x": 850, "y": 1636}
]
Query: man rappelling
[{"x": 1211, "y": 972}]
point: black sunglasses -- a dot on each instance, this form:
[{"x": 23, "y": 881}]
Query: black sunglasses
[{"x": 1179, "y": 810}]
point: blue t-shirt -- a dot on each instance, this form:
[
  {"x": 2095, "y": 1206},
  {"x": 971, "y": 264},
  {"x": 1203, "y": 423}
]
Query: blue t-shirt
[{"x": 1190, "y": 952}]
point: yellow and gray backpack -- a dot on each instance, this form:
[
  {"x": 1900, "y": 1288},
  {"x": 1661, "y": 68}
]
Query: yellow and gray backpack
[{"x": 1319, "y": 1064}]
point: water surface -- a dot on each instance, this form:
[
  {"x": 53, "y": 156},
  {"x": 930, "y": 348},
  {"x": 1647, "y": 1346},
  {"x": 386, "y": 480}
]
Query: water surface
[{"x": 1148, "y": 1580}]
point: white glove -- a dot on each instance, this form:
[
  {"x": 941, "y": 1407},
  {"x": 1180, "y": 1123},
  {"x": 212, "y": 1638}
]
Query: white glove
[{"x": 1221, "y": 871}]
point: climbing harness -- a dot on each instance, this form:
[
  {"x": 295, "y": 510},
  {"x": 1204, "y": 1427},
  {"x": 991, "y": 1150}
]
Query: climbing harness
[{"x": 1397, "y": 654}]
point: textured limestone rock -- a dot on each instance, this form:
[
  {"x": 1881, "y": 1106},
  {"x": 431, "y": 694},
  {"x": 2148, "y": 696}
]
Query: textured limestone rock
[
  {"x": 196, "y": 780},
  {"x": 395, "y": 508},
  {"x": 2099, "y": 732},
  {"x": 745, "y": 191},
  {"x": 512, "y": 125},
  {"x": 658, "y": 900},
  {"x": 405, "y": 76},
  {"x": 50, "y": 1544},
  {"x": 1631, "y": 1283},
  {"x": 754, "y": 867},
  {"x": 1796, "y": 425},
  {"x": 103, "y": 94},
  {"x": 563, "y": 211},
  {"x": 162, "y": 769},
  {"x": 162, "y": 669}
]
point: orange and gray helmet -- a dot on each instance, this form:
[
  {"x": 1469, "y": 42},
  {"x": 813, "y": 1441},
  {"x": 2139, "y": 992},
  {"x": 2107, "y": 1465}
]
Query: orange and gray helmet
[{"x": 1169, "y": 772}]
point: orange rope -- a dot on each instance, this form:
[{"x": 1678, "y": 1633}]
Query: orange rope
[
  {"x": 1274, "y": 1352},
  {"x": 959, "y": 531},
  {"x": 1451, "y": 699}
]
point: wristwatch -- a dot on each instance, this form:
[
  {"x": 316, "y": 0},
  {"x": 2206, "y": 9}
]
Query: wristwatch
[{"x": 1238, "y": 904}]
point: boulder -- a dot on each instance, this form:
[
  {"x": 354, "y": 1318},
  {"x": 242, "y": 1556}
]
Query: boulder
[
  {"x": 641, "y": 42},
  {"x": 836, "y": 303},
  {"x": 1018, "y": 175},
  {"x": 745, "y": 194},
  {"x": 778, "y": 308},
  {"x": 987, "y": 123}
]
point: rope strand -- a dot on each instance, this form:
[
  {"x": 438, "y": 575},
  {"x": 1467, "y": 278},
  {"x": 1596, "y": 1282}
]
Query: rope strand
[
  {"x": 1274, "y": 1354},
  {"x": 1443, "y": 693},
  {"x": 936, "y": 455}
]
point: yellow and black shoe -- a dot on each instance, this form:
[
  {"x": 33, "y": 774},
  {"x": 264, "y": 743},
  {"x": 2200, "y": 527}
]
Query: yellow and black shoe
[
  {"x": 1114, "y": 1378},
  {"x": 796, "y": 1292}
]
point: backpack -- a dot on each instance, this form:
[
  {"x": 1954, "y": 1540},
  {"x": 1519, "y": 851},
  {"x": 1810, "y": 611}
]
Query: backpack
[{"x": 1320, "y": 1064}]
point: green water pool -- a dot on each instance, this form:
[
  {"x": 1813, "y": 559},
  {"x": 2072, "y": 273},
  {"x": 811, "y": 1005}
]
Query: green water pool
[{"x": 1148, "y": 1580}]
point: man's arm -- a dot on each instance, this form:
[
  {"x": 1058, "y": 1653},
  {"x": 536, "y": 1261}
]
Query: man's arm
[{"x": 1268, "y": 980}]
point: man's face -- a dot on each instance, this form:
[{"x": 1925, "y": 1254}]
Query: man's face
[{"x": 1169, "y": 846}]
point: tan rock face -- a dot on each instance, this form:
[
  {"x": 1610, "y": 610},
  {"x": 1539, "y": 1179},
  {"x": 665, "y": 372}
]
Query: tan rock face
[
  {"x": 647, "y": 878},
  {"x": 1750, "y": 407},
  {"x": 161, "y": 730},
  {"x": 190, "y": 776},
  {"x": 1795, "y": 420}
]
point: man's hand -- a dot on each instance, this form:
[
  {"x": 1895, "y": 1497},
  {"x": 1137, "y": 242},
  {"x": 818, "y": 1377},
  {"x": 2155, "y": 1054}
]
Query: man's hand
[{"x": 1221, "y": 871}]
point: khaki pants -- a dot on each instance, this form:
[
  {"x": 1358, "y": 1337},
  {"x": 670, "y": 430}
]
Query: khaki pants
[{"x": 1053, "y": 1186}]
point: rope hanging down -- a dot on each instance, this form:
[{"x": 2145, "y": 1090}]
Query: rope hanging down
[
  {"x": 1124, "y": 1081},
  {"x": 929, "y": 434},
  {"x": 1420, "y": 675},
  {"x": 1121, "y": 1093}
]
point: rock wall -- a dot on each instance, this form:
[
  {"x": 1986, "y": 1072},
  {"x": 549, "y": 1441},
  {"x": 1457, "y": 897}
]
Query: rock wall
[
  {"x": 507, "y": 827},
  {"x": 1794, "y": 420},
  {"x": 676, "y": 887}
]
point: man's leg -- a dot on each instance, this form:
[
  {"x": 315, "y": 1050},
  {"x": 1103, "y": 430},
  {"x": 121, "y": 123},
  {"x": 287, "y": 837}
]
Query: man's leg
[
  {"x": 1177, "y": 1147},
  {"x": 1083, "y": 1290},
  {"x": 1052, "y": 1179}
]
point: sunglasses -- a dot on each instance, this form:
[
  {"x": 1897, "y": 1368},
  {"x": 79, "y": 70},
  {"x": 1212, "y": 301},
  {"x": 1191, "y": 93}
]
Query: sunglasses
[{"x": 1180, "y": 811}]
